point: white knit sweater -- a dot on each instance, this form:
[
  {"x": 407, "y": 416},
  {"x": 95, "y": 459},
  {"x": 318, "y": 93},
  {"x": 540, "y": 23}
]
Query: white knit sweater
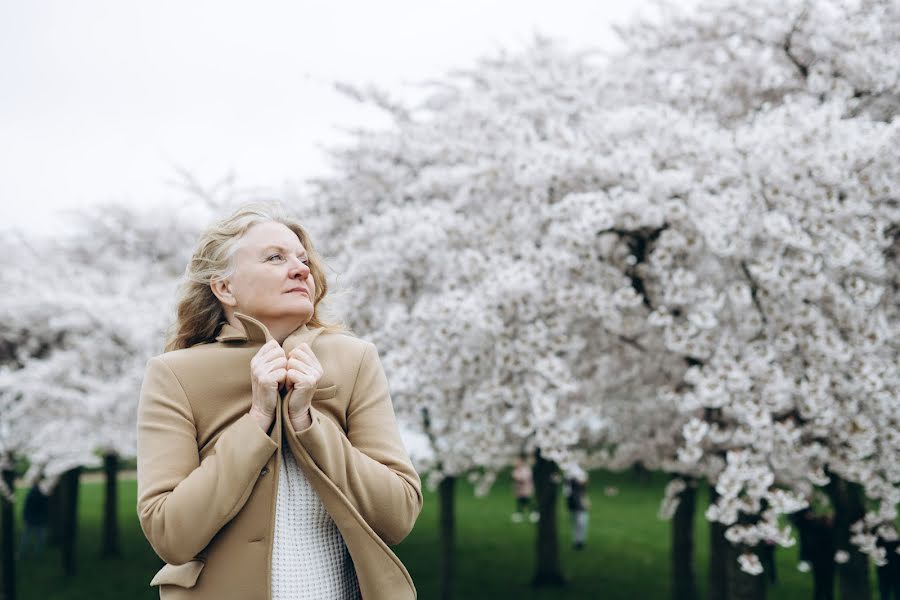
[{"x": 309, "y": 557}]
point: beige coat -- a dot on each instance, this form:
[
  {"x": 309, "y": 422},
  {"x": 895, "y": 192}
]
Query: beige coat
[{"x": 207, "y": 473}]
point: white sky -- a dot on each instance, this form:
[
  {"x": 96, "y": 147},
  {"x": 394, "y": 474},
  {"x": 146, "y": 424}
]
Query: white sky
[{"x": 102, "y": 99}]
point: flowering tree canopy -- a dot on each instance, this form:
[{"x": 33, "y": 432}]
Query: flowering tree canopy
[
  {"x": 684, "y": 256},
  {"x": 86, "y": 311}
]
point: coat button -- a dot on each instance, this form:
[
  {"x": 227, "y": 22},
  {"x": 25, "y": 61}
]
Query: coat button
[{"x": 264, "y": 471}]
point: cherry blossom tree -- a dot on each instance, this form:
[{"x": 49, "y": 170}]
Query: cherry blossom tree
[
  {"x": 671, "y": 258},
  {"x": 88, "y": 308},
  {"x": 825, "y": 166}
]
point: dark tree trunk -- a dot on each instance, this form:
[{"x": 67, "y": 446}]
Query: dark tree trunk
[
  {"x": 848, "y": 501},
  {"x": 741, "y": 585},
  {"x": 823, "y": 576},
  {"x": 111, "y": 546},
  {"x": 684, "y": 582},
  {"x": 69, "y": 483},
  {"x": 7, "y": 525},
  {"x": 448, "y": 536},
  {"x": 55, "y": 515},
  {"x": 816, "y": 546},
  {"x": 547, "y": 571},
  {"x": 718, "y": 557}
]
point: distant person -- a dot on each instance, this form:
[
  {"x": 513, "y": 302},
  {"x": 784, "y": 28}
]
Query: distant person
[
  {"x": 524, "y": 490},
  {"x": 36, "y": 514},
  {"x": 578, "y": 504}
]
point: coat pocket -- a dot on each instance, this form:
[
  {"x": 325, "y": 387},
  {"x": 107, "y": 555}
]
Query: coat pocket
[
  {"x": 181, "y": 575},
  {"x": 324, "y": 393}
]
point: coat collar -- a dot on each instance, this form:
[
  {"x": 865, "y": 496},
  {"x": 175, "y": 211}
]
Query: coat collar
[{"x": 255, "y": 332}]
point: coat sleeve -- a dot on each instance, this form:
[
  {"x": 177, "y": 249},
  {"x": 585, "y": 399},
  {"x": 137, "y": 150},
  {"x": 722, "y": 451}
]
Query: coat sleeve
[
  {"x": 183, "y": 501},
  {"x": 369, "y": 463}
]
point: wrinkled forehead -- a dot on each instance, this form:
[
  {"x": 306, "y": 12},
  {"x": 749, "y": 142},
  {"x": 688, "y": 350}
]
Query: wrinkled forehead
[{"x": 267, "y": 236}]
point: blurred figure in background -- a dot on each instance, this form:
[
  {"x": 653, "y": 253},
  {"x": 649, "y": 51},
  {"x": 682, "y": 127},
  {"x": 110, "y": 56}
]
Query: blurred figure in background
[
  {"x": 524, "y": 490},
  {"x": 36, "y": 514},
  {"x": 578, "y": 503}
]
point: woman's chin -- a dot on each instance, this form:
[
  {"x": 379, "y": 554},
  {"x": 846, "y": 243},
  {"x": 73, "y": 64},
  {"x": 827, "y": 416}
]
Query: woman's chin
[{"x": 301, "y": 312}]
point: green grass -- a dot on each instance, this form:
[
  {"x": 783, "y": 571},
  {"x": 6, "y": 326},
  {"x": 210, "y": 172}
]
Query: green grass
[
  {"x": 126, "y": 577},
  {"x": 626, "y": 556}
]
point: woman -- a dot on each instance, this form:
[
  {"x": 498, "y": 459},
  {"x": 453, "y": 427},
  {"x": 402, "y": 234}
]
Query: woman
[
  {"x": 269, "y": 461},
  {"x": 524, "y": 490},
  {"x": 578, "y": 502}
]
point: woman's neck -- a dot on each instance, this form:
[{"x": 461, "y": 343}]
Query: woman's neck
[{"x": 279, "y": 329}]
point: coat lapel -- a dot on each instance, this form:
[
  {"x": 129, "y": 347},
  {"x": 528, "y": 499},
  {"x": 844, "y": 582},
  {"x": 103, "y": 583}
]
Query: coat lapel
[
  {"x": 300, "y": 335},
  {"x": 255, "y": 332}
]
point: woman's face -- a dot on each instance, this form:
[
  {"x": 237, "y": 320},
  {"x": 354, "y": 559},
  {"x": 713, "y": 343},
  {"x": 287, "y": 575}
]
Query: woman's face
[{"x": 271, "y": 280}]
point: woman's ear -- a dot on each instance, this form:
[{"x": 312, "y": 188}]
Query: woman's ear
[{"x": 222, "y": 289}]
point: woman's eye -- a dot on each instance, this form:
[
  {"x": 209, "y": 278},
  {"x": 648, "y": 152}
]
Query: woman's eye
[{"x": 278, "y": 256}]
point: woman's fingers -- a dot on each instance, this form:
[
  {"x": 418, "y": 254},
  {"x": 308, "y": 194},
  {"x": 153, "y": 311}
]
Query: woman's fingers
[
  {"x": 312, "y": 371},
  {"x": 302, "y": 349},
  {"x": 276, "y": 362},
  {"x": 265, "y": 354},
  {"x": 305, "y": 353},
  {"x": 270, "y": 350},
  {"x": 279, "y": 376},
  {"x": 300, "y": 379},
  {"x": 269, "y": 365},
  {"x": 302, "y": 375},
  {"x": 296, "y": 363}
]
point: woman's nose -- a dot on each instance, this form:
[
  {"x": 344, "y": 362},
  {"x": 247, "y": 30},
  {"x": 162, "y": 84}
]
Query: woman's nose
[{"x": 299, "y": 268}]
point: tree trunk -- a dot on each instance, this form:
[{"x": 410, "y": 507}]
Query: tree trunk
[
  {"x": 69, "y": 483},
  {"x": 816, "y": 547},
  {"x": 823, "y": 579},
  {"x": 447, "y": 536},
  {"x": 684, "y": 583},
  {"x": 848, "y": 501},
  {"x": 547, "y": 571},
  {"x": 7, "y": 525},
  {"x": 110, "y": 510},
  {"x": 741, "y": 585},
  {"x": 718, "y": 557},
  {"x": 55, "y": 515}
]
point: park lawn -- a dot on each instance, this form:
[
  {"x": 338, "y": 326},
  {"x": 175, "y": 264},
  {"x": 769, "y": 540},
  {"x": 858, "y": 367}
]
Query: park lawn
[{"x": 626, "y": 555}]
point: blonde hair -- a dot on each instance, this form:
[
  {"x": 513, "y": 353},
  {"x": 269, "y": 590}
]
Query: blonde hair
[{"x": 199, "y": 314}]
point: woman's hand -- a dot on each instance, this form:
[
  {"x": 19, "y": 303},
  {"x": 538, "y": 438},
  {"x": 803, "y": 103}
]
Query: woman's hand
[
  {"x": 303, "y": 373},
  {"x": 268, "y": 370}
]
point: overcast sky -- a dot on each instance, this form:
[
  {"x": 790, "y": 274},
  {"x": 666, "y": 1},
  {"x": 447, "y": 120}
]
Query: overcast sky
[{"x": 102, "y": 100}]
